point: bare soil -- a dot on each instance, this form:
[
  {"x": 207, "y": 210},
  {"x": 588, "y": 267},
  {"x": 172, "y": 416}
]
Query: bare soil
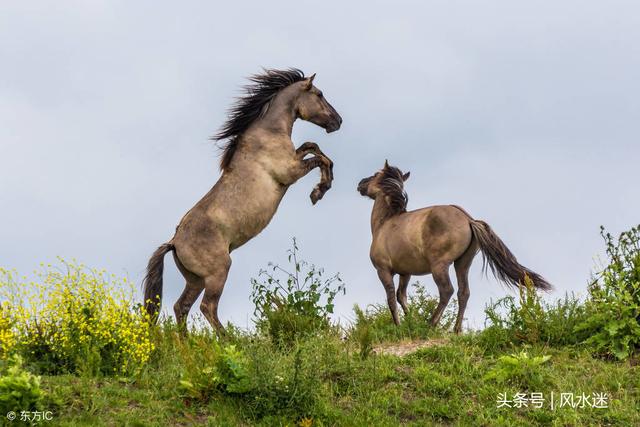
[{"x": 403, "y": 348}]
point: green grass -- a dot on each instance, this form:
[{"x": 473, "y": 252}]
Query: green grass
[
  {"x": 446, "y": 384},
  {"x": 317, "y": 374}
]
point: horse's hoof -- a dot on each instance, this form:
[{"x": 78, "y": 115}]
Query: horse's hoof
[{"x": 316, "y": 195}]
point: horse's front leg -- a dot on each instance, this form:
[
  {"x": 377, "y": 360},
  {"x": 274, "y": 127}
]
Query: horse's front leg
[{"x": 319, "y": 160}]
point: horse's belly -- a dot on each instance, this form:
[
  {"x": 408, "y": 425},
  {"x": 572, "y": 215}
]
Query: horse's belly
[
  {"x": 411, "y": 264},
  {"x": 249, "y": 229},
  {"x": 254, "y": 215},
  {"x": 406, "y": 252}
]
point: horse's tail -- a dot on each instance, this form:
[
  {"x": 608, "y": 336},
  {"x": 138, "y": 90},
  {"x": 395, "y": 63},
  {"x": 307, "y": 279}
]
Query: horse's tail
[
  {"x": 152, "y": 283},
  {"x": 503, "y": 264}
]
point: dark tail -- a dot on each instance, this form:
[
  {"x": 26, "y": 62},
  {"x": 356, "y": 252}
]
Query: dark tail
[
  {"x": 152, "y": 283},
  {"x": 501, "y": 261}
]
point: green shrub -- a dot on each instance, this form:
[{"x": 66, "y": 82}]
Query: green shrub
[
  {"x": 232, "y": 368},
  {"x": 530, "y": 320},
  {"x": 266, "y": 382},
  {"x": 293, "y": 303},
  {"x": 19, "y": 389},
  {"x": 521, "y": 370},
  {"x": 227, "y": 374},
  {"x": 287, "y": 384},
  {"x": 613, "y": 320}
]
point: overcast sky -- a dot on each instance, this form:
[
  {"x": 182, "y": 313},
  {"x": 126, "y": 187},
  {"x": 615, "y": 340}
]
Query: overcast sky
[{"x": 526, "y": 114}]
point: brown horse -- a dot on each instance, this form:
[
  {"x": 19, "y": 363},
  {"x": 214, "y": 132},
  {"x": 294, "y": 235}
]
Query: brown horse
[
  {"x": 429, "y": 240},
  {"x": 258, "y": 165}
]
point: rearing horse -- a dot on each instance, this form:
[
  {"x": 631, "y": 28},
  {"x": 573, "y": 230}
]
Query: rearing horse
[
  {"x": 258, "y": 164},
  {"x": 429, "y": 240}
]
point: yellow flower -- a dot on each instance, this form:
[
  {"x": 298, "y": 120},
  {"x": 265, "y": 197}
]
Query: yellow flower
[{"x": 72, "y": 309}]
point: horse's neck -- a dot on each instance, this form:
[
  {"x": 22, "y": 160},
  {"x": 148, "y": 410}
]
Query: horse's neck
[
  {"x": 379, "y": 214},
  {"x": 280, "y": 116},
  {"x": 270, "y": 135}
]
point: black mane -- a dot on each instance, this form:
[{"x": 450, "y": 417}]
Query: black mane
[
  {"x": 392, "y": 185},
  {"x": 249, "y": 107}
]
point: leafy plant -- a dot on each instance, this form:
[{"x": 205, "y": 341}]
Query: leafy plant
[
  {"x": 290, "y": 383},
  {"x": 19, "y": 389},
  {"x": 233, "y": 368},
  {"x": 519, "y": 369},
  {"x": 290, "y": 303},
  {"x": 255, "y": 373},
  {"x": 228, "y": 374},
  {"x": 613, "y": 320}
]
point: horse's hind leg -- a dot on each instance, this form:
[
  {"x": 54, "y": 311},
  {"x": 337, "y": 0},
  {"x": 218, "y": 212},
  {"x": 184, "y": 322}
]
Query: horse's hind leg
[
  {"x": 213, "y": 286},
  {"x": 462, "y": 266},
  {"x": 387, "y": 281},
  {"x": 192, "y": 290},
  {"x": 402, "y": 292},
  {"x": 181, "y": 308},
  {"x": 441, "y": 277}
]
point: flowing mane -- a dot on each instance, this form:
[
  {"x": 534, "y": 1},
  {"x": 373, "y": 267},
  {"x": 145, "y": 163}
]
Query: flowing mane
[
  {"x": 392, "y": 185},
  {"x": 251, "y": 106}
]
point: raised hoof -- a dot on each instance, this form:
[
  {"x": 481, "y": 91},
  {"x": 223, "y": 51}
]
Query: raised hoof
[{"x": 316, "y": 195}]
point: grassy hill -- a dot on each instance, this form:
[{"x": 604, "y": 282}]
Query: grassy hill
[
  {"x": 324, "y": 380},
  {"x": 77, "y": 347}
]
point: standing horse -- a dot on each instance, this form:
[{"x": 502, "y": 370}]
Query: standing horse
[
  {"x": 429, "y": 240},
  {"x": 258, "y": 164}
]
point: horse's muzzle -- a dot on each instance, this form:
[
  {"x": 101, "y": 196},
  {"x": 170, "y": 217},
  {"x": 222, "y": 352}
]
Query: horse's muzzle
[
  {"x": 335, "y": 124},
  {"x": 362, "y": 186}
]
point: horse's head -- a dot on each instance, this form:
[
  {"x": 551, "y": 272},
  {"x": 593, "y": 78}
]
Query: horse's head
[
  {"x": 313, "y": 107},
  {"x": 387, "y": 179}
]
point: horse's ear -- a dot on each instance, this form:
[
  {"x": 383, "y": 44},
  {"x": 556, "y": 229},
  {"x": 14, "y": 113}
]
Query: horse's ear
[
  {"x": 406, "y": 176},
  {"x": 308, "y": 83},
  {"x": 386, "y": 164}
]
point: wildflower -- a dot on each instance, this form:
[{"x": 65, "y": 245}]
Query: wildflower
[{"x": 72, "y": 311}]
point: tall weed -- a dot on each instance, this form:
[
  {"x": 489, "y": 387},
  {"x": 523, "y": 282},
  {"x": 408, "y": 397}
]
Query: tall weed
[{"x": 296, "y": 301}]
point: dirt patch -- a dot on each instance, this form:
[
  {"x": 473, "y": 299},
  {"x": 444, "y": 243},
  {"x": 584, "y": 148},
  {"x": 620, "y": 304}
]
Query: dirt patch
[{"x": 403, "y": 348}]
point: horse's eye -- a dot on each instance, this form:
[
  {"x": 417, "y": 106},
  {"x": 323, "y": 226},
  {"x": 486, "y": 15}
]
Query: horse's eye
[{"x": 320, "y": 94}]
